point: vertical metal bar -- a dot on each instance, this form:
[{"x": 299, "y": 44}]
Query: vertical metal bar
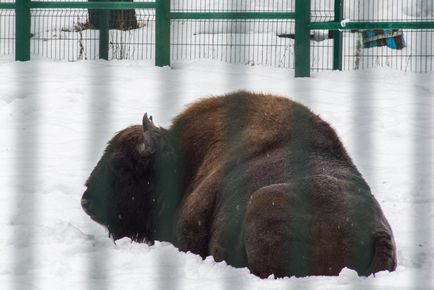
[
  {"x": 337, "y": 37},
  {"x": 103, "y": 25},
  {"x": 162, "y": 33},
  {"x": 22, "y": 28},
  {"x": 100, "y": 123},
  {"x": 423, "y": 185},
  {"x": 302, "y": 38},
  {"x": 27, "y": 167}
]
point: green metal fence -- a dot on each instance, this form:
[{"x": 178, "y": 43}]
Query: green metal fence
[
  {"x": 232, "y": 31},
  {"x": 413, "y": 18},
  {"x": 299, "y": 34}
]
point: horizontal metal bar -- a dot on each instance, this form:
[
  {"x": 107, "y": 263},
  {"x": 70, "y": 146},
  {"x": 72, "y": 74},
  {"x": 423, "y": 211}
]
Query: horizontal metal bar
[
  {"x": 93, "y": 5},
  {"x": 371, "y": 25},
  {"x": 232, "y": 15},
  {"x": 7, "y": 5}
]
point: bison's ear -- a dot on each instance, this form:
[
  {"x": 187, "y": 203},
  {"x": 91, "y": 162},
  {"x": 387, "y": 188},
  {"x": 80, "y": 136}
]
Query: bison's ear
[{"x": 150, "y": 134}]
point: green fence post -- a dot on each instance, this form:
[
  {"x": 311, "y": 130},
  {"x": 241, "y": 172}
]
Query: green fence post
[
  {"x": 162, "y": 33},
  {"x": 337, "y": 37},
  {"x": 103, "y": 18},
  {"x": 22, "y": 30},
  {"x": 302, "y": 38}
]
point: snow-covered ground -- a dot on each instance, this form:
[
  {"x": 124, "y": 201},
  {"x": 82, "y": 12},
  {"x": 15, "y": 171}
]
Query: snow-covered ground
[{"x": 55, "y": 118}]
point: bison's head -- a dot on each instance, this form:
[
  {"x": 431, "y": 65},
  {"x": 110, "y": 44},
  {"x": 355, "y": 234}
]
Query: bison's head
[{"x": 121, "y": 189}]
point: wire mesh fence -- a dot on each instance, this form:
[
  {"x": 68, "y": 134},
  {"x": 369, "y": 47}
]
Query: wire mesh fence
[
  {"x": 389, "y": 10},
  {"x": 231, "y": 6},
  {"x": 415, "y": 52},
  {"x": 416, "y": 57},
  {"x": 7, "y": 32},
  {"x": 72, "y": 34},
  {"x": 67, "y": 34},
  {"x": 251, "y": 42}
]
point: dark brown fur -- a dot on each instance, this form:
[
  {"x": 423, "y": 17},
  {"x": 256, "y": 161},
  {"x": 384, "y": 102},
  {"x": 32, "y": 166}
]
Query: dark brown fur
[{"x": 256, "y": 180}]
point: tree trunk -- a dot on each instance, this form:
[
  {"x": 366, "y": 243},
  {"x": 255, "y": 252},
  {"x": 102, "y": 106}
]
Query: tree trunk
[{"x": 118, "y": 19}]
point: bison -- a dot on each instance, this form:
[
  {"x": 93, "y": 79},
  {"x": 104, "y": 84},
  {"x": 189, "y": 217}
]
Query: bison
[{"x": 255, "y": 180}]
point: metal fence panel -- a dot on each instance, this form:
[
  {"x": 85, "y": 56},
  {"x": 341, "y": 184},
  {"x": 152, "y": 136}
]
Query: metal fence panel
[
  {"x": 7, "y": 32},
  {"x": 416, "y": 56},
  {"x": 251, "y": 42},
  {"x": 65, "y": 34},
  {"x": 68, "y": 34}
]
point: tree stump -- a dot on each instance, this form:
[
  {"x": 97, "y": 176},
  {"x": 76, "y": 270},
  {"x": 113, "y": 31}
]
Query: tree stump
[{"x": 119, "y": 19}]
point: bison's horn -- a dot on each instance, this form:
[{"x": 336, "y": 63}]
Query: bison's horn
[
  {"x": 149, "y": 132},
  {"x": 148, "y": 123}
]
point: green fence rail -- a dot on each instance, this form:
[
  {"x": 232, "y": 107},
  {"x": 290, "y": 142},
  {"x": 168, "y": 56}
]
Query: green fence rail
[{"x": 164, "y": 15}]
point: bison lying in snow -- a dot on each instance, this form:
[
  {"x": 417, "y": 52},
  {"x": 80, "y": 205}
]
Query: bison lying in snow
[{"x": 255, "y": 180}]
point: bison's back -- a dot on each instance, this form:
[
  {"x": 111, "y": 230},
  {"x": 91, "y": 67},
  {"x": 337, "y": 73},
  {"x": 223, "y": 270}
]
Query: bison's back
[
  {"x": 270, "y": 176},
  {"x": 244, "y": 125}
]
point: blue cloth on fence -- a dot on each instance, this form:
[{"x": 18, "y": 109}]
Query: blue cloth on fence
[{"x": 392, "y": 38}]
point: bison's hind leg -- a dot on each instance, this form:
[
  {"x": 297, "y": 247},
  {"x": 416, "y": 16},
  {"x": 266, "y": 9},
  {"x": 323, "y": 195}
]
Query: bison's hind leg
[
  {"x": 266, "y": 232},
  {"x": 384, "y": 253}
]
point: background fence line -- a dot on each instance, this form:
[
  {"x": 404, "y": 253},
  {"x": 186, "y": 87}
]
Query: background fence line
[{"x": 311, "y": 21}]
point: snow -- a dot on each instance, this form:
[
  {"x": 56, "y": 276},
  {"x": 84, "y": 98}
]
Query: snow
[{"x": 55, "y": 118}]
